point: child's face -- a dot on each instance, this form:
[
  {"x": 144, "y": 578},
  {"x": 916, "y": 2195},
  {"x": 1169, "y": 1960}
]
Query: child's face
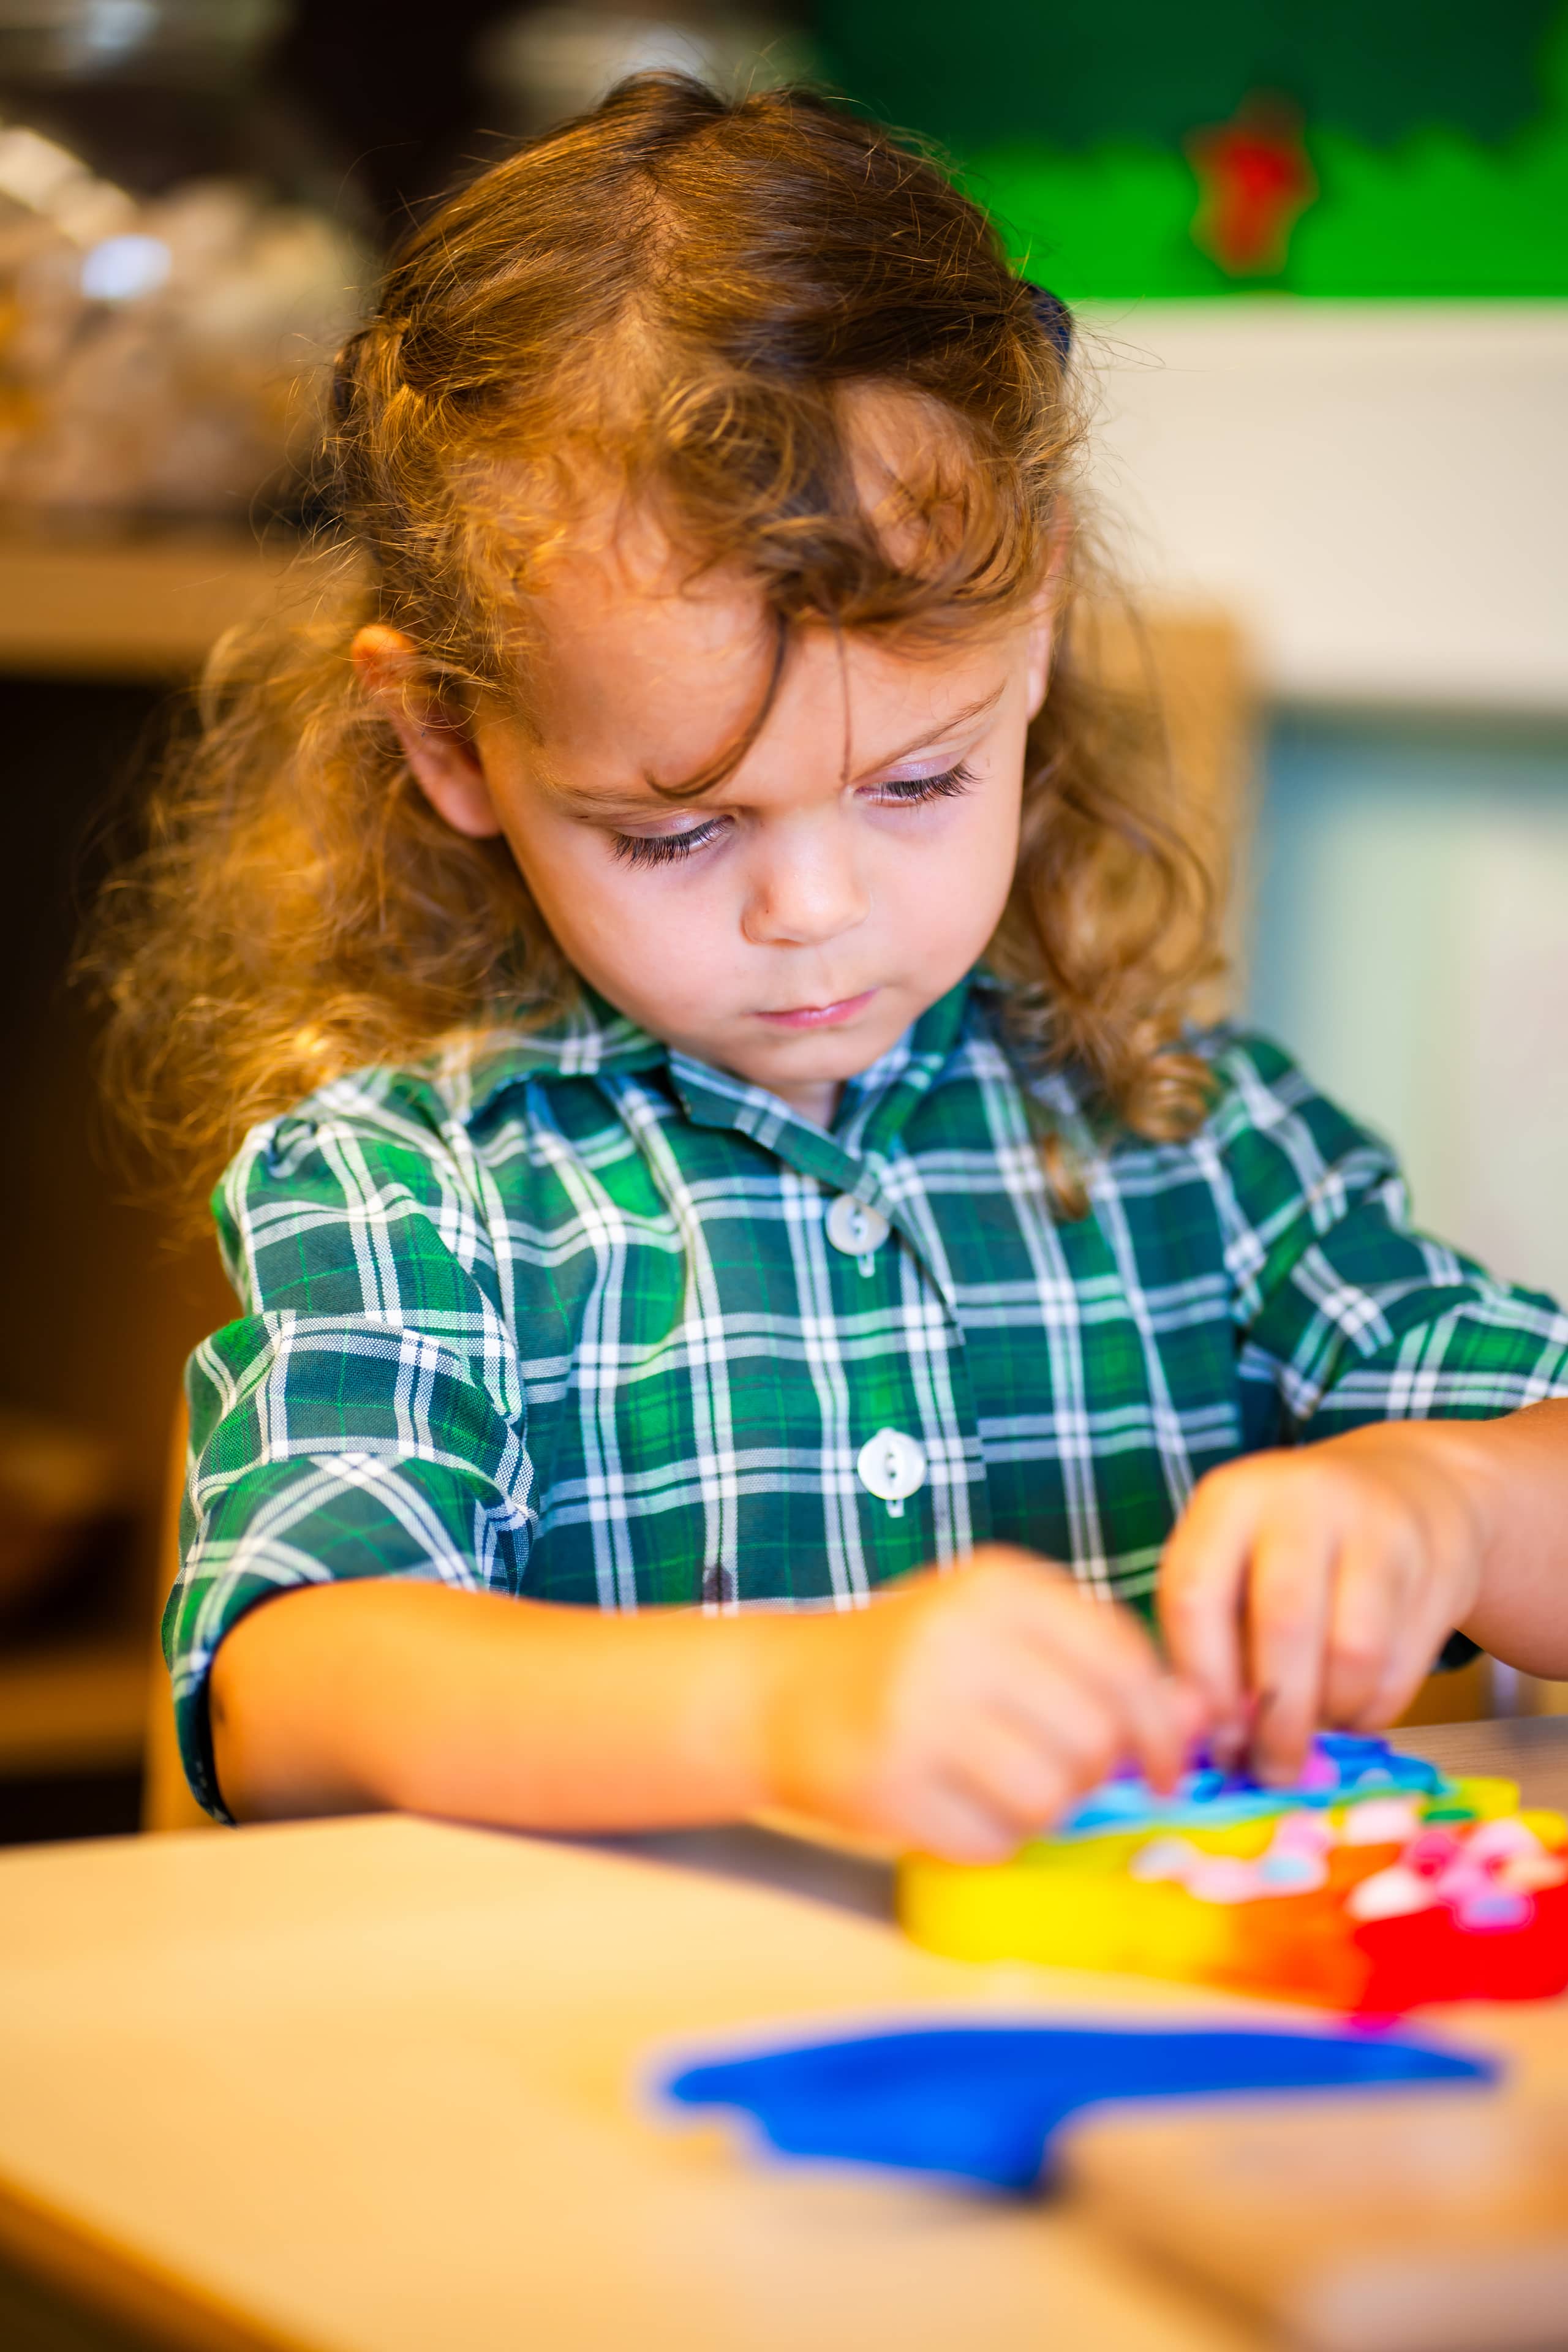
[{"x": 791, "y": 923}]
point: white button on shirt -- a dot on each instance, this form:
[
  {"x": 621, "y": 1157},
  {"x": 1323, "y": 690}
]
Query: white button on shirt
[
  {"x": 855, "y": 1229},
  {"x": 891, "y": 1466}
]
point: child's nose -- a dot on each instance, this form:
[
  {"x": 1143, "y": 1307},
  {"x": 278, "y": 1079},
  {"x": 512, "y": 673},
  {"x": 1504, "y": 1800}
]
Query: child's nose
[{"x": 803, "y": 891}]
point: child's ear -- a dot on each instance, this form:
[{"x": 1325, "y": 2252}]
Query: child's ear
[
  {"x": 1045, "y": 611},
  {"x": 1041, "y": 645},
  {"x": 445, "y": 766}
]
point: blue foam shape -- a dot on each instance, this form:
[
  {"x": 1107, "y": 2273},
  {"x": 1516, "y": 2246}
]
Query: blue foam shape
[
  {"x": 982, "y": 2103},
  {"x": 1208, "y": 1798}
]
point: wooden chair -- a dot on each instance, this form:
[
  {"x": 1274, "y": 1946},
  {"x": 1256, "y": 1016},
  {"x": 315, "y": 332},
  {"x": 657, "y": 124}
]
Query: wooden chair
[
  {"x": 166, "y": 1799},
  {"x": 1194, "y": 662}
]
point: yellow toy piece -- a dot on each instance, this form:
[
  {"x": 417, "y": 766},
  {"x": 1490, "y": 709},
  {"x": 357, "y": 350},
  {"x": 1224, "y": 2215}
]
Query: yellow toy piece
[
  {"x": 1485, "y": 1799},
  {"x": 1046, "y": 1907}
]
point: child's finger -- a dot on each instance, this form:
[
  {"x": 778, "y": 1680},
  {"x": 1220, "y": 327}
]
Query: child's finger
[
  {"x": 951, "y": 1822},
  {"x": 1374, "y": 1588},
  {"x": 1202, "y": 1581},
  {"x": 1138, "y": 1709},
  {"x": 1058, "y": 1707},
  {"x": 1290, "y": 1594},
  {"x": 1146, "y": 1712},
  {"x": 1060, "y": 1635},
  {"x": 1016, "y": 1778},
  {"x": 1424, "y": 1627},
  {"x": 1165, "y": 1729},
  {"x": 1068, "y": 1627}
]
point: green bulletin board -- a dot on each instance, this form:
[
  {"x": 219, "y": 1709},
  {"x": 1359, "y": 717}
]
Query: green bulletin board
[{"x": 1134, "y": 148}]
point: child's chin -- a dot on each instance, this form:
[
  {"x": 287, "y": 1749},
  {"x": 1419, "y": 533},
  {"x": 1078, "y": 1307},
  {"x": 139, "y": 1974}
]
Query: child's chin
[{"x": 823, "y": 1059}]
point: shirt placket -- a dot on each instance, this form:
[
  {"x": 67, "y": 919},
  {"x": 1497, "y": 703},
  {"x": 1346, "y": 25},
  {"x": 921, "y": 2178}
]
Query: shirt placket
[
  {"x": 916, "y": 1458},
  {"x": 921, "y": 1463}
]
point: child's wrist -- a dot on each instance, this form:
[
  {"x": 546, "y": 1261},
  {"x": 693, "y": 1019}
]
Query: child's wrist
[
  {"x": 732, "y": 1708},
  {"x": 1469, "y": 1458},
  {"x": 1505, "y": 1468},
  {"x": 1463, "y": 1480},
  {"x": 775, "y": 1677}
]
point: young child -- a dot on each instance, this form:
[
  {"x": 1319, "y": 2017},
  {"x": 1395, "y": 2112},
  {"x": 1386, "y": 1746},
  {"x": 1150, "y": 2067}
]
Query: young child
[{"x": 754, "y": 1145}]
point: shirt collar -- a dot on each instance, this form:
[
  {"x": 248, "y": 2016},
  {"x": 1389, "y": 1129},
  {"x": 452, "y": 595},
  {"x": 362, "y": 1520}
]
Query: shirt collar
[{"x": 589, "y": 1039}]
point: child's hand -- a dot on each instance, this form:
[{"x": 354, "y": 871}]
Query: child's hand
[
  {"x": 962, "y": 1713},
  {"x": 1318, "y": 1586}
]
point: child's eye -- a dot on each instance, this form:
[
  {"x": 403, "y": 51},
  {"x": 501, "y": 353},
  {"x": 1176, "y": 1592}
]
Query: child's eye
[
  {"x": 911, "y": 790},
  {"x": 664, "y": 848}
]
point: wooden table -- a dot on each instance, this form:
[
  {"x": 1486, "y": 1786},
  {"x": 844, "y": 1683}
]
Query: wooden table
[{"x": 371, "y": 2086}]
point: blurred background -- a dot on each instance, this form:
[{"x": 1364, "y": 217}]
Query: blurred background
[{"x": 1320, "y": 253}]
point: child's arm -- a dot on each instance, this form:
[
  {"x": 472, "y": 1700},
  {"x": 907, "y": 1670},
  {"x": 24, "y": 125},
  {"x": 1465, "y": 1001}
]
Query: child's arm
[
  {"x": 1318, "y": 1584},
  {"x": 959, "y": 1712}
]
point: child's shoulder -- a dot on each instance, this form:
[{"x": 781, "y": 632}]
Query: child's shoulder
[
  {"x": 402, "y": 1106},
  {"x": 1256, "y": 1087},
  {"x": 1272, "y": 1140},
  {"x": 343, "y": 1152},
  {"x": 432, "y": 1112},
  {"x": 1259, "y": 1088},
  {"x": 1266, "y": 1123},
  {"x": 1256, "y": 1082}
]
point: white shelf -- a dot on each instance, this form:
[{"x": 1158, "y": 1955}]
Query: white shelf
[{"x": 1377, "y": 491}]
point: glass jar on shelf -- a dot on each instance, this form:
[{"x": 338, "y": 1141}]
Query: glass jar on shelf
[
  {"x": 556, "y": 57},
  {"x": 175, "y": 274}
]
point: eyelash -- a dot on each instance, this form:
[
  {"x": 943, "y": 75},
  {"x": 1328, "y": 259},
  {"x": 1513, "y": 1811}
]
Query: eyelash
[
  {"x": 912, "y": 789},
  {"x": 670, "y": 848},
  {"x": 663, "y": 848}
]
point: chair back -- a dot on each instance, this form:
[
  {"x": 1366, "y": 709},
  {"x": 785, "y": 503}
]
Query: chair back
[{"x": 166, "y": 1799}]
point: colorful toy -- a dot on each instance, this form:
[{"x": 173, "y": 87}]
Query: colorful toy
[{"x": 1373, "y": 1885}]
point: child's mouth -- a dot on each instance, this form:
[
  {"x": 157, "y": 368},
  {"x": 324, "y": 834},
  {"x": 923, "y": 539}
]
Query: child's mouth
[{"x": 820, "y": 1016}]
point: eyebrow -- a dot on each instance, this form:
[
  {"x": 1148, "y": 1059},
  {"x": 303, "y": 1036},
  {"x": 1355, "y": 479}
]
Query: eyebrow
[
  {"x": 617, "y": 801},
  {"x": 955, "y": 719}
]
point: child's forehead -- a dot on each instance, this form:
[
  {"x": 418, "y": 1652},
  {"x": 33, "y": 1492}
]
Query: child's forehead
[
  {"x": 637, "y": 688},
  {"x": 622, "y": 563},
  {"x": 622, "y": 614}
]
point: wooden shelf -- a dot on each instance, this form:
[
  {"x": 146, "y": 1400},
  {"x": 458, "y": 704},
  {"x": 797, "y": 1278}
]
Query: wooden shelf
[
  {"x": 131, "y": 609},
  {"x": 74, "y": 1707}
]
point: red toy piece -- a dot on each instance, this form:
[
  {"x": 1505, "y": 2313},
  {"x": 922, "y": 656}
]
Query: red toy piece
[{"x": 1428, "y": 1956}]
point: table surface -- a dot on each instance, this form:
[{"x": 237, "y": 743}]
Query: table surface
[{"x": 374, "y": 2086}]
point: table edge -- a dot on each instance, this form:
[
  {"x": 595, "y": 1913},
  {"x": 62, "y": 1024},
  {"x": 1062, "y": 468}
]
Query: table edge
[{"x": 96, "y": 2270}]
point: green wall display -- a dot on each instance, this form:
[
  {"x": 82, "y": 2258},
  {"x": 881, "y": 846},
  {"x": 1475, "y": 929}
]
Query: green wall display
[{"x": 1325, "y": 147}]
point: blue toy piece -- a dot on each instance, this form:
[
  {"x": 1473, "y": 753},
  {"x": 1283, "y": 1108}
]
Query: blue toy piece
[
  {"x": 981, "y": 2103},
  {"x": 1341, "y": 1764}
]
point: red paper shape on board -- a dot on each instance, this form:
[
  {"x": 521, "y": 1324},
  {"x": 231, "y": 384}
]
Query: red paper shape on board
[{"x": 1256, "y": 181}]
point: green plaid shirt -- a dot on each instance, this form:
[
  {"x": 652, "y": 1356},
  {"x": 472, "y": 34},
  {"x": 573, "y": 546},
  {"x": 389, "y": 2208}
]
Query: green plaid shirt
[{"x": 577, "y": 1317}]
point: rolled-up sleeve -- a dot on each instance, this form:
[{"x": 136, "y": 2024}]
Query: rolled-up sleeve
[
  {"x": 365, "y": 1416},
  {"x": 1344, "y": 1314}
]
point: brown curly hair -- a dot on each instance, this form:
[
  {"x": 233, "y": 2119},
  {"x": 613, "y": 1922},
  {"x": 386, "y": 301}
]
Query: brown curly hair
[{"x": 680, "y": 293}]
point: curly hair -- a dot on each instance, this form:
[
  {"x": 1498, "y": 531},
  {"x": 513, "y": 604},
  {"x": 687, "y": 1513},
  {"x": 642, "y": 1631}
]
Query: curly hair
[{"x": 680, "y": 294}]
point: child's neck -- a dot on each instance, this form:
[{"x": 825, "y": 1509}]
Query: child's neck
[{"x": 816, "y": 1099}]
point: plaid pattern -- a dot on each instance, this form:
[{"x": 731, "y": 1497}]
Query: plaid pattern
[{"x": 563, "y": 1317}]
